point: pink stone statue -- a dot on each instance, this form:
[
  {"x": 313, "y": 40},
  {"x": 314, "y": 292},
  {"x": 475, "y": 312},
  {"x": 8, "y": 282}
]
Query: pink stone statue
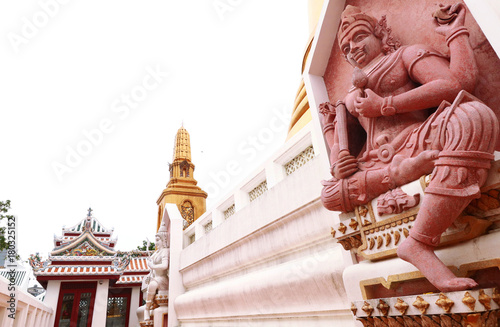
[{"x": 398, "y": 123}]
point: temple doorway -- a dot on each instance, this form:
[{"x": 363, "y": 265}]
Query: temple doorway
[{"x": 76, "y": 304}]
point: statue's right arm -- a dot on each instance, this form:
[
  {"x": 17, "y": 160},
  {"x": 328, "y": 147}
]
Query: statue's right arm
[{"x": 345, "y": 165}]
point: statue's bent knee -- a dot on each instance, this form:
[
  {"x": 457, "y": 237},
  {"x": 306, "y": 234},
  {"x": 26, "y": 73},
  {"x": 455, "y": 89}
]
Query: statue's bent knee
[{"x": 470, "y": 138}]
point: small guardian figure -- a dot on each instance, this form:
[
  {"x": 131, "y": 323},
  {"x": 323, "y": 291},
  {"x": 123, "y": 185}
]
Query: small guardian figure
[{"x": 158, "y": 263}]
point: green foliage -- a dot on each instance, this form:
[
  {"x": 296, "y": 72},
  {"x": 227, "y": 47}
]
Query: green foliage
[
  {"x": 4, "y": 208},
  {"x": 144, "y": 246}
]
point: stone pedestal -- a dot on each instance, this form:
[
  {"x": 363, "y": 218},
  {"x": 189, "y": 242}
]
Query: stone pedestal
[
  {"x": 158, "y": 314},
  {"x": 146, "y": 323},
  {"x": 464, "y": 308},
  {"x": 161, "y": 313}
]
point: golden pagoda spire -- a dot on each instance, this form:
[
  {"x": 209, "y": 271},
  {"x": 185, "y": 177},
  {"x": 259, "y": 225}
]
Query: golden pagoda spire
[
  {"x": 181, "y": 188},
  {"x": 182, "y": 147}
]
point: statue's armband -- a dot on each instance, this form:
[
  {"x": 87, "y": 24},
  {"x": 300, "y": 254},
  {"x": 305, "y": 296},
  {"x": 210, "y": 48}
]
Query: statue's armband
[{"x": 421, "y": 54}]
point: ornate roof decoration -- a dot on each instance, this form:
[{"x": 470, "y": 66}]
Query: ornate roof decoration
[
  {"x": 97, "y": 227},
  {"x": 182, "y": 147},
  {"x": 78, "y": 270},
  {"x": 84, "y": 245},
  {"x": 89, "y": 223},
  {"x": 135, "y": 272},
  {"x": 87, "y": 250}
]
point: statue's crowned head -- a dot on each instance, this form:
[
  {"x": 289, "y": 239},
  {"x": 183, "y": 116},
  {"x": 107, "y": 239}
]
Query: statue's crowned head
[
  {"x": 353, "y": 18},
  {"x": 163, "y": 237}
]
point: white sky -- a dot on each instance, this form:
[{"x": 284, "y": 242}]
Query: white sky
[{"x": 228, "y": 74}]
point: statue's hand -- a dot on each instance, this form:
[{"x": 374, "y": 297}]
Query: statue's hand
[
  {"x": 456, "y": 14},
  {"x": 344, "y": 167},
  {"x": 151, "y": 265},
  {"x": 350, "y": 99},
  {"x": 370, "y": 105}
]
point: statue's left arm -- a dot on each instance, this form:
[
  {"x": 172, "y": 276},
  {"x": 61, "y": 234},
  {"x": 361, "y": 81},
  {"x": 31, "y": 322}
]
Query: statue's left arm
[{"x": 462, "y": 60}]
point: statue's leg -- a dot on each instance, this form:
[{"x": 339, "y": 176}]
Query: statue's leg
[
  {"x": 436, "y": 214},
  {"x": 461, "y": 169},
  {"x": 153, "y": 286}
]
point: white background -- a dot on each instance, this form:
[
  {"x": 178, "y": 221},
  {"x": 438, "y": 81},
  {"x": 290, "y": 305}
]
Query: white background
[{"x": 231, "y": 70}]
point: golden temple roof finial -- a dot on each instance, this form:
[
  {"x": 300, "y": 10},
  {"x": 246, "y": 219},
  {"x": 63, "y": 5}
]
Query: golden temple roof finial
[{"x": 182, "y": 147}]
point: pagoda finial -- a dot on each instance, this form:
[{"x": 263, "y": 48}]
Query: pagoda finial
[
  {"x": 90, "y": 212},
  {"x": 182, "y": 147}
]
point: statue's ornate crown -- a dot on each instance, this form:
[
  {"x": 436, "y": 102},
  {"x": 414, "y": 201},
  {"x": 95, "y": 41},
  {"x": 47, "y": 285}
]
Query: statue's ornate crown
[
  {"x": 352, "y": 17},
  {"x": 163, "y": 232}
]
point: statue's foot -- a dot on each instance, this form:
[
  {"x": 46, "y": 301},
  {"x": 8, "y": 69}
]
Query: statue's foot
[
  {"x": 404, "y": 170},
  {"x": 423, "y": 257},
  {"x": 457, "y": 284}
]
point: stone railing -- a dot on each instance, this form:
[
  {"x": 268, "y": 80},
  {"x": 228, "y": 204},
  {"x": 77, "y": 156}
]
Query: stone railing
[
  {"x": 30, "y": 312},
  {"x": 297, "y": 152},
  {"x": 272, "y": 261}
]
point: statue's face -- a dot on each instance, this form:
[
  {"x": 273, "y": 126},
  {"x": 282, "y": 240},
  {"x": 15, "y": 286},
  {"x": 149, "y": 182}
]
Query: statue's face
[
  {"x": 158, "y": 241},
  {"x": 361, "y": 46}
]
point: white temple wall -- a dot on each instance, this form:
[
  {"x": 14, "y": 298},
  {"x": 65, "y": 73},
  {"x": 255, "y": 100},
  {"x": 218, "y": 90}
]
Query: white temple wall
[
  {"x": 51, "y": 298},
  {"x": 273, "y": 262},
  {"x": 30, "y": 311},
  {"x": 100, "y": 303},
  {"x": 134, "y": 304},
  {"x": 176, "y": 288}
]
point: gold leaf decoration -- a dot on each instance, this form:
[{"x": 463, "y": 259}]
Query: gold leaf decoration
[
  {"x": 383, "y": 307},
  {"x": 353, "y": 224},
  {"x": 333, "y": 232},
  {"x": 356, "y": 241},
  {"x": 353, "y": 308},
  {"x": 406, "y": 232},
  {"x": 444, "y": 302},
  {"x": 345, "y": 244},
  {"x": 496, "y": 296},
  {"x": 363, "y": 211},
  {"x": 397, "y": 237},
  {"x": 371, "y": 242},
  {"x": 485, "y": 300},
  {"x": 387, "y": 239},
  {"x": 380, "y": 241},
  {"x": 469, "y": 301},
  {"x": 367, "y": 308},
  {"x": 342, "y": 228},
  {"x": 421, "y": 304},
  {"x": 401, "y": 306}
]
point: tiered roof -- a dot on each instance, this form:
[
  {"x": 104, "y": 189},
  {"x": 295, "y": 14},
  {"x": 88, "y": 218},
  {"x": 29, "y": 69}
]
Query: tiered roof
[
  {"x": 102, "y": 234},
  {"x": 87, "y": 250},
  {"x": 135, "y": 271}
]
